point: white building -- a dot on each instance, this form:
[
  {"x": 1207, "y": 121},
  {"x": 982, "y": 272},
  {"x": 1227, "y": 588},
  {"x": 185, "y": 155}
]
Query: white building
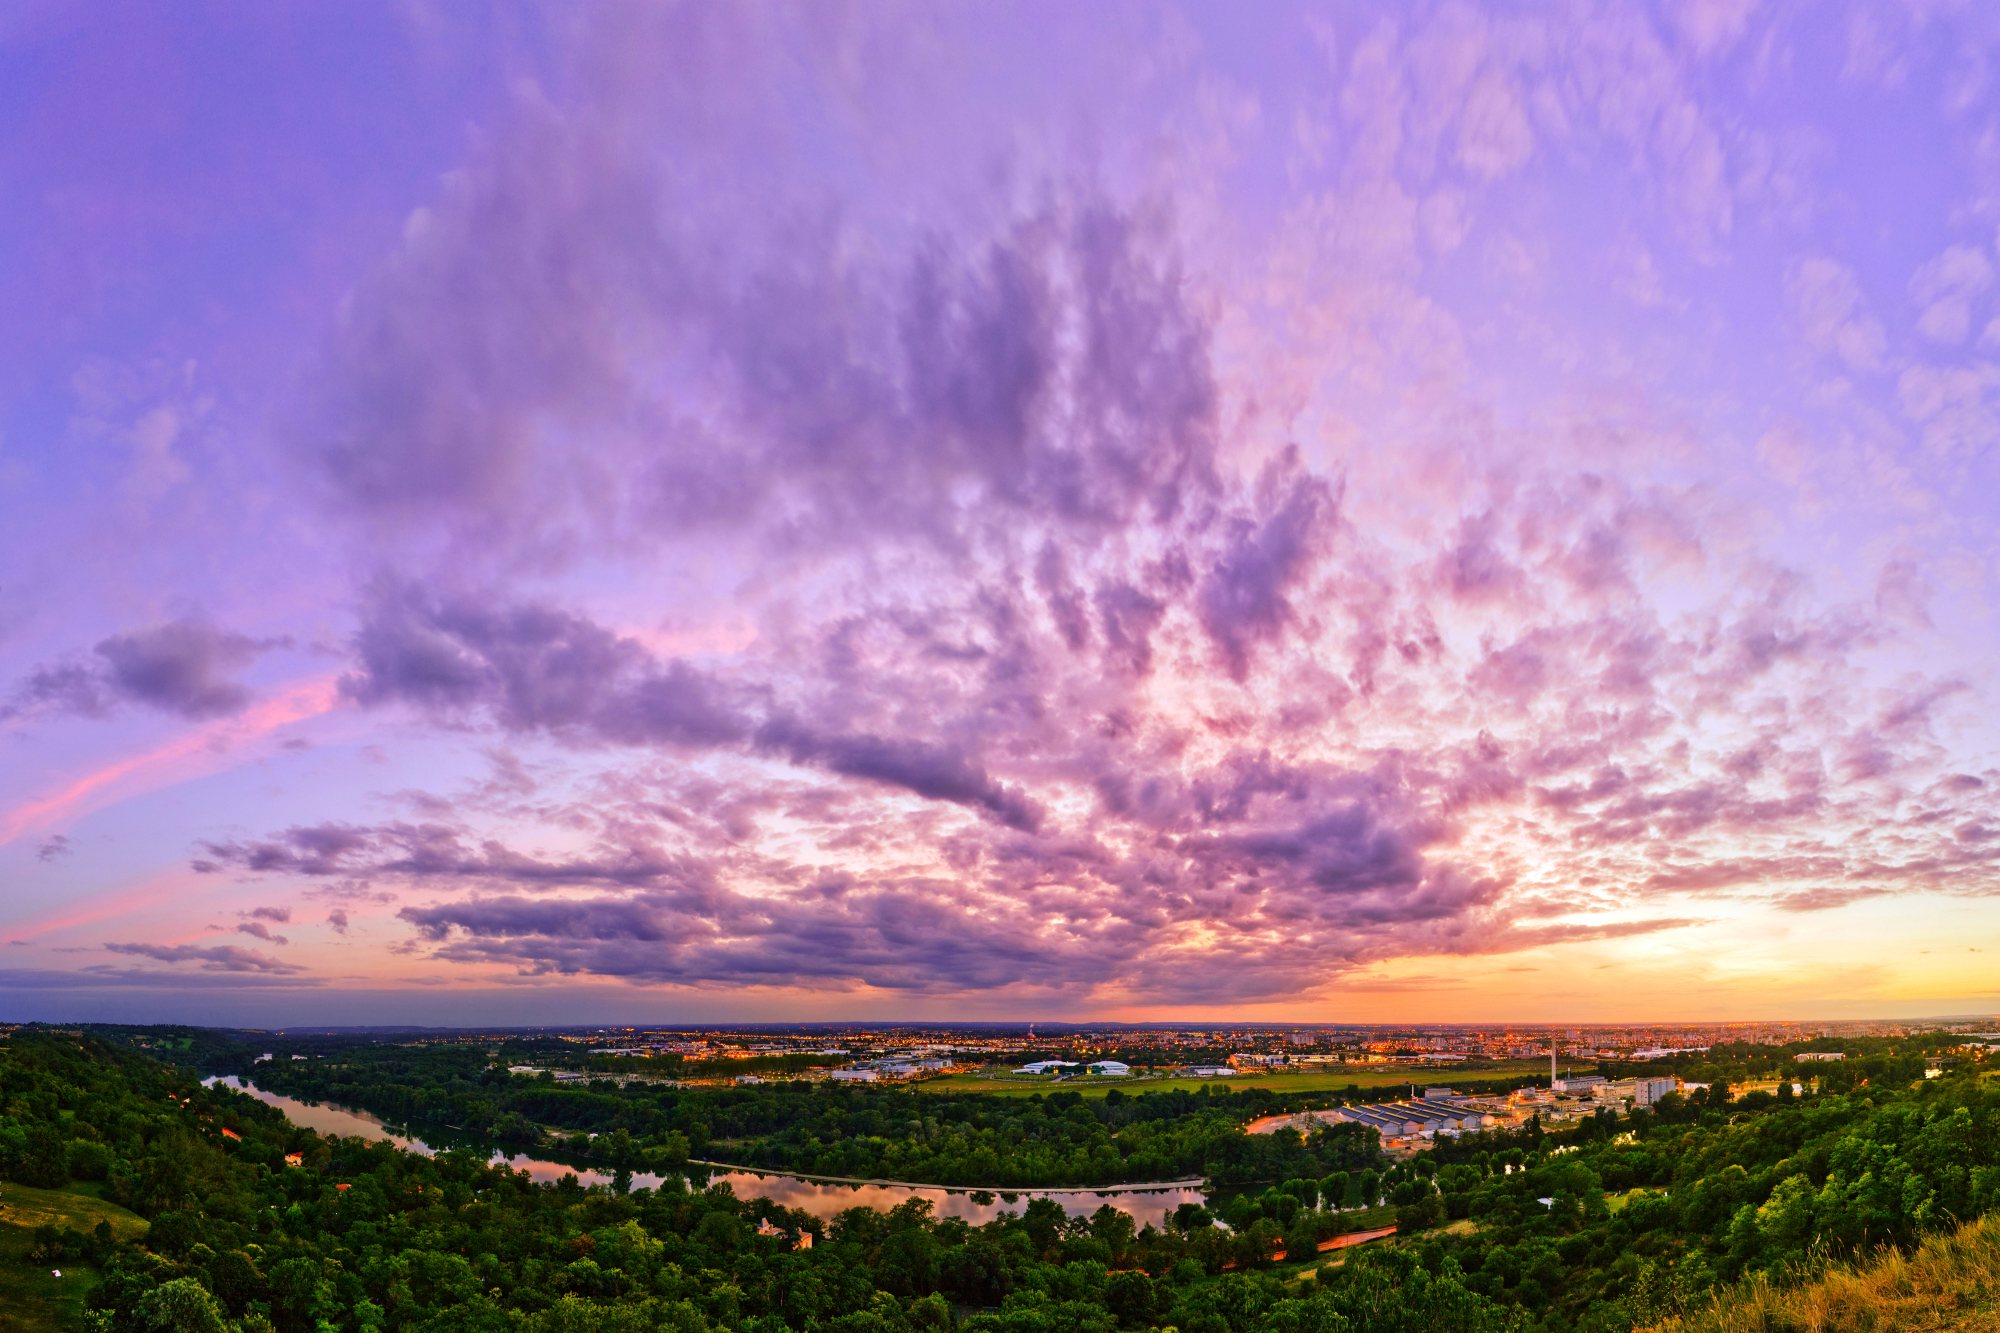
[
  {"x": 855, "y": 1076},
  {"x": 1110, "y": 1069},
  {"x": 1645, "y": 1091},
  {"x": 1048, "y": 1067}
]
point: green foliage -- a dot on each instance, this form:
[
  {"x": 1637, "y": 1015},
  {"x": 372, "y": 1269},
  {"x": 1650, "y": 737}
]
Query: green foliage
[
  {"x": 181, "y": 1305},
  {"x": 365, "y": 1237},
  {"x": 828, "y": 1129}
]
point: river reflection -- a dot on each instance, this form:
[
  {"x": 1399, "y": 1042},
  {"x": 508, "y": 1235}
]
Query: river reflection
[{"x": 821, "y": 1198}]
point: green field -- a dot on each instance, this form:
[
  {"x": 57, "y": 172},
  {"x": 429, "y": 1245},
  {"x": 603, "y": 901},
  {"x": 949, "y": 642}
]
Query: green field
[
  {"x": 31, "y": 1300},
  {"x": 1334, "y": 1078}
]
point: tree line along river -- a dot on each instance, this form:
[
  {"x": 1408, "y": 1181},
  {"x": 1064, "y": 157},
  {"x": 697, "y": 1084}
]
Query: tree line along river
[{"x": 823, "y": 1198}]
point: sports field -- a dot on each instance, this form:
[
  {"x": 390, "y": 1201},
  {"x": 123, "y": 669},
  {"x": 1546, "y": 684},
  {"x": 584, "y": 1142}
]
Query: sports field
[{"x": 1323, "y": 1078}]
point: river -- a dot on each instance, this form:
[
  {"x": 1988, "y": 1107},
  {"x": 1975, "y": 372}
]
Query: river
[{"x": 820, "y": 1198}]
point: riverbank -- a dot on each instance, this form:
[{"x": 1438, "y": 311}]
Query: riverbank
[
  {"x": 1038, "y": 1191},
  {"x": 1150, "y": 1202}
]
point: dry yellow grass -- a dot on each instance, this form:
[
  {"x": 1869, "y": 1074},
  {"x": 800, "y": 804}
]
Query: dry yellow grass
[{"x": 1952, "y": 1282}]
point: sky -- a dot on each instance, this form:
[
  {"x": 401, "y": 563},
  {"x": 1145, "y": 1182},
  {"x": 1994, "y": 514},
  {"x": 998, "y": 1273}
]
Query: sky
[{"x": 658, "y": 513}]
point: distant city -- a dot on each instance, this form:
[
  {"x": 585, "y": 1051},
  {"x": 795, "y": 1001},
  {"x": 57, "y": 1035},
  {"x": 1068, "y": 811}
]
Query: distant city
[{"x": 893, "y": 1050}]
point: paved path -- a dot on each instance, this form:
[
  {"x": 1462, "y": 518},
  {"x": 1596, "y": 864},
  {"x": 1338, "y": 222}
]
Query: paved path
[
  {"x": 1141, "y": 1188},
  {"x": 1356, "y": 1238},
  {"x": 1271, "y": 1124}
]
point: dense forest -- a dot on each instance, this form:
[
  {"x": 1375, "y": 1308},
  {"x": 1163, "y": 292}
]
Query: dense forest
[
  {"x": 1614, "y": 1224},
  {"x": 868, "y": 1131}
]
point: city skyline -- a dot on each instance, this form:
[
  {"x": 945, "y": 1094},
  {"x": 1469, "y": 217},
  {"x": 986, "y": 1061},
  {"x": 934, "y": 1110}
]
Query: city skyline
[{"x": 1434, "y": 514}]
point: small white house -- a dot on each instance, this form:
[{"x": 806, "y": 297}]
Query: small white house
[{"x": 1110, "y": 1069}]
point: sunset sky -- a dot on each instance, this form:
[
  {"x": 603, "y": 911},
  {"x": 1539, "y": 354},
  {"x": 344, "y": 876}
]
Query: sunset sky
[{"x": 623, "y": 512}]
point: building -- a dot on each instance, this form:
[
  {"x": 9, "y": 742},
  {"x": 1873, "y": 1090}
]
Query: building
[
  {"x": 1254, "y": 1060},
  {"x": 1638, "y": 1091},
  {"x": 1579, "y": 1083},
  {"x": 855, "y": 1076},
  {"x": 1056, "y": 1067},
  {"x": 1110, "y": 1069},
  {"x": 1206, "y": 1071},
  {"x": 1820, "y": 1055},
  {"x": 804, "y": 1241},
  {"x": 1386, "y": 1119}
]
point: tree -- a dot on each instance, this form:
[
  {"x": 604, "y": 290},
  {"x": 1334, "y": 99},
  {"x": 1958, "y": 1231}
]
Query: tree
[
  {"x": 1044, "y": 1222},
  {"x": 1115, "y": 1229},
  {"x": 236, "y": 1279},
  {"x": 181, "y": 1306},
  {"x": 301, "y": 1295}
]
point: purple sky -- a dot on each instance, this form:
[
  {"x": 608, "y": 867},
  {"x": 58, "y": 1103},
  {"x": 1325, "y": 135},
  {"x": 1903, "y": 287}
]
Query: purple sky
[{"x": 580, "y": 513}]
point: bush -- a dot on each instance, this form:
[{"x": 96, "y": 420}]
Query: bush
[
  {"x": 89, "y": 1161},
  {"x": 1414, "y": 1217},
  {"x": 57, "y": 1245}
]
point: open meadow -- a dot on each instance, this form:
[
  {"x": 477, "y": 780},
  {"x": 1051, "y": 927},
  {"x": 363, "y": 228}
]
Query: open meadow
[{"x": 30, "y": 1299}]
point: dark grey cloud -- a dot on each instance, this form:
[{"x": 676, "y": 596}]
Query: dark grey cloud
[
  {"x": 213, "y": 958},
  {"x": 534, "y": 668},
  {"x": 186, "y": 667},
  {"x": 1244, "y": 597},
  {"x": 53, "y": 848},
  {"x": 426, "y": 850}
]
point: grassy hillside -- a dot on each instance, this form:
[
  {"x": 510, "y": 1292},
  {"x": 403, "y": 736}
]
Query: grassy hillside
[
  {"x": 30, "y": 1299},
  {"x": 1949, "y": 1284}
]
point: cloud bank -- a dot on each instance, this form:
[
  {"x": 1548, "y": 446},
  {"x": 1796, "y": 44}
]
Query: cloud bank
[{"x": 882, "y": 536}]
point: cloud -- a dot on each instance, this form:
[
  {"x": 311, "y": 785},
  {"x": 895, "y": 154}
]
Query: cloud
[
  {"x": 260, "y": 931},
  {"x": 1945, "y": 288},
  {"x": 1047, "y": 692},
  {"x": 337, "y": 918},
  {"x": 1079, "y": 655},
  {"x": 53, "y": 848},
  {"x": 99, "y": 978},
  {"x": 1833, "y": 315},
  {"x": 281, "y": 915},
  {"x": 186, "y": 667},
  {"x": 217, "y": 958}
]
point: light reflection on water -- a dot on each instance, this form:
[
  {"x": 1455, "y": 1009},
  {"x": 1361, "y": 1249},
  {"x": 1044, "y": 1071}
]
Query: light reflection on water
[{"x": 817, "y": 1197}]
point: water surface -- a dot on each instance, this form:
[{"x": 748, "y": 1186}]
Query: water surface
[{"x": 821, "y": 1198}]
